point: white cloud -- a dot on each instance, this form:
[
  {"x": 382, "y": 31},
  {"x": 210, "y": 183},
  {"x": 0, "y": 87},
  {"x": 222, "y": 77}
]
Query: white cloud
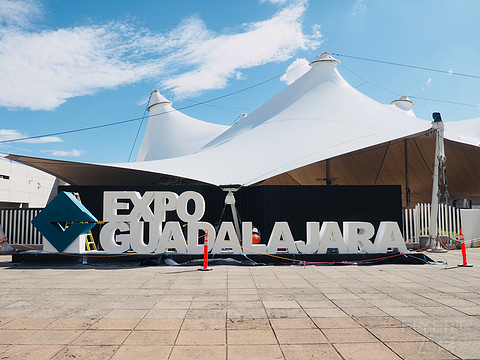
[
  {"x": 428, "y": 84},
  {"x": 295, "y": 70},
  {"x": 276, "y": 2},
  {"x": 216, "y": 59},
  {"x": 359, "y": 6},
  {"x": 11, "y": 134},
  {"x": 65, "y": 153},
  {"x": 142, "y": 101},
  {"x": 41, "y": 70},
  {"x": 18, "y": 13}
]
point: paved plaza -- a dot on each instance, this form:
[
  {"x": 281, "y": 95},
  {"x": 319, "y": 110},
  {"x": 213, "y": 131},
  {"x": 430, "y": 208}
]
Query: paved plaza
[{"x": 241, "y": 312}]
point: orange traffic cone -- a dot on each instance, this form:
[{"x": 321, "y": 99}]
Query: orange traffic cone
[{"x": 464, "y": 251}]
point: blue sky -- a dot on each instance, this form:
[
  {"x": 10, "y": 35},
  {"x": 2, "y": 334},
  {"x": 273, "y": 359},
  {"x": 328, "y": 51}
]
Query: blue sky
[{"x": 67, "y": 64}]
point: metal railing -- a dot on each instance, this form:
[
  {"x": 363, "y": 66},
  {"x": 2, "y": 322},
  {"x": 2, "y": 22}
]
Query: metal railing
[{"x": 18, "y": 228}]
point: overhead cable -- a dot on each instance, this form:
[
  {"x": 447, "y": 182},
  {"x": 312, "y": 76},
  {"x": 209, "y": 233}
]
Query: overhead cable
[
  {"x": 449, "y": 72},
  {"x": 140, "y": 118}
]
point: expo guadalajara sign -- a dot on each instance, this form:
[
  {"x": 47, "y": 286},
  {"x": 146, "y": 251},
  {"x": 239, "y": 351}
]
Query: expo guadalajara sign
[{"x": 125, "y": 214}]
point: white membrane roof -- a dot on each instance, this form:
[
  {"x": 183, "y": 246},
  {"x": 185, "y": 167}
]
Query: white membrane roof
[{"x": 317, "y": 117}]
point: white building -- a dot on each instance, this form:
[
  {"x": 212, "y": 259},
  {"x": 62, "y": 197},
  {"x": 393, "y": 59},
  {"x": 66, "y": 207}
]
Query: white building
[{"x": 24, "y": 186}]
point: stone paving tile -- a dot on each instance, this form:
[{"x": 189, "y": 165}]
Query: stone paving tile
[
  {"x": 366, "y": 351},
  {"x": 367, "y": 311},
  {"x": 402, "y": 311},
  {"x": 245, "y": 305},
  {"x": 170, "y": 305},
  {"x": 325, "y": 312},
  {"x": 101, "y": 337},
  {"x": 246, "y": 313},
  {"x": 115, "y": 324},
  {"x": 203, "y": 324},
  {"x": 97, "y": 352},
  {"x": 52, "y": 337},
  {"x": 339, "y": 336},
  {"x": 208, "y": 305},
  {"x": 336, "y": 323},
  {"x": 250, "y": 337},
  {"x": 469, "y": 310},
  {"x": 201, "y": 337},
  {"x": 210, "y": 297},
  {"x": 378, "y": 321},
  {"x": 420, "y": 351},
  {"x": 312, "y": 304},
  {"x": 166, "y": 314},
  {"x": 254, "y": 352},
  {"x": 279, "y": 304},
  {"x": 144, "y": 352},
  {"x": 149, "y": 337},
  {"x": 286, "y": 313},
  {"x": 300, "y": 336},
  {"x": 126, "y": 314},
  {"x": 342, "y": 296},
  {"x": 4, "y": 321},
  {"x": 448, "y": 333},
  {"x": 199, "y": 353},
  {"x": 13, "y": 337},
  {"x": 439, "y": 310},
  {"x": 464, "y": 349},
  {"x": 397, "y": 334},
  {"x": 243, "y": 292},
  {"x": 71, "y": 324},
  {"x": 302, "y": 323},
  {"x": 31, "y": 352},
  {"x": 28, "y": 323},
  {"x": 206, "y": 314},
  {"x": 247, "y": 323},
  {"x": 352, "y": 303},
  {"x": 310, "y": 352},
  {"x": 241, "y": 297},
  {"x": 4, "y": 348}
]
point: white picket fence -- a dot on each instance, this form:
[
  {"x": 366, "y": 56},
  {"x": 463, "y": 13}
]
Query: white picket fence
[
  {"x": 416, "y": 222},
  {"x": 18, "y": 227}
]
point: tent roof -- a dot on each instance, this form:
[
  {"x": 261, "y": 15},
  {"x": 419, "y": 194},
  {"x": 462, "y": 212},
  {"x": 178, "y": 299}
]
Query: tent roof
[
  {"x": 180, "y": 134},
  {"x": 317, "y": 117},
  {"x": 464, "y": 131}
]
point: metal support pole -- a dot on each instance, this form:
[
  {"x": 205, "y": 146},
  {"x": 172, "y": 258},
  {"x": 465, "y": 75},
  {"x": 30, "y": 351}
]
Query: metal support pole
[
  {"x": 230, "y": 200},
  {"x": 440, "y": 158},
  {"x": 407, "y": 181},
  {"x": 328, "y": 178}
]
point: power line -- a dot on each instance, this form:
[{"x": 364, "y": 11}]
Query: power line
[
  {"x": 365, "y": 81},
  {"x": 368, "y": 82},
  {"x": 256, "y": 85},
  {"x": 444, "y": 101},
  {"x": 449, "y": 72},
  {"x": 139, "y": 127},
  {"x": 141, "y": 118}
]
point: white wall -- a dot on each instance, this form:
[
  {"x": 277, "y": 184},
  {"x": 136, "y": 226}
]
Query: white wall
[
  {"x": 471, "y": 226},
  {"x": 23, "y": 184}
]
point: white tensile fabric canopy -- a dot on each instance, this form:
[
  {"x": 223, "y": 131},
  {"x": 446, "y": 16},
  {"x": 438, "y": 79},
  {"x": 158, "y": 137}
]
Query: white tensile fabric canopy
[
  {"x": 171, "y": 133},
  {"x": 317, "y": 117},
  {"x": 464, "y": 131}
]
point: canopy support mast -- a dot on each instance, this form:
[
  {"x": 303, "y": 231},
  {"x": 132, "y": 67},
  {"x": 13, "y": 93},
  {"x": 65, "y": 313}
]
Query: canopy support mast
[{"x": 440, "y": 159}]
